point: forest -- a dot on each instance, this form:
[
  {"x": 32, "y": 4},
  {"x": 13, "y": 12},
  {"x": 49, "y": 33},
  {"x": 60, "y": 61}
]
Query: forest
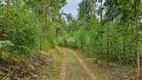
[{"x": 108, "y": 30}]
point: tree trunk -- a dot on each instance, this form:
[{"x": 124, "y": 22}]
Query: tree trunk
[
  {"x": 44, "y": 29},
  {"x": 124, "y": 51},
  {"x": 41, "y": 34},
  {"x": 101, "y": 49},
  {"x": 101, "y": 14},
  {"x": 7, "y": 17},
  {"x": 101, "y": 44},
  {"x": 137, "y": 48},
  {"x": 107, "y": 47}
]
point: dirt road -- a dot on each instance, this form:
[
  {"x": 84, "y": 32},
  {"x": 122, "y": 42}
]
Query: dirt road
[{"x": 73, "y": 67}]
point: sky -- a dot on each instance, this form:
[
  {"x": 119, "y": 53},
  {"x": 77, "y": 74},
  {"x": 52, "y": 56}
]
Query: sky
[{"x": 71, "y": 7}]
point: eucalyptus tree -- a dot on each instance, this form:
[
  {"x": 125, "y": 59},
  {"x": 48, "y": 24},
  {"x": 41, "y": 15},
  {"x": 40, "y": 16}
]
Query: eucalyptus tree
[
  {"x": 48, "y": 11},
  {"x": 100, "y": 13},
  {"x": 129, "y": 10},
  {"x": 86, "y": 9},
  {"x": 137, "y": 13},
  {"x": 7, "y": 17},
  {"x": 112, "y": 10},
  {"x": 2, "y": 21},
  {"x": 30, "y": 23}
]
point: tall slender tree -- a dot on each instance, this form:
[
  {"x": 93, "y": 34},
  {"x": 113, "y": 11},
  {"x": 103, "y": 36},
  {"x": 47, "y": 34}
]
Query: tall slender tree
[
  {"x": 137, "y": 5},
  {"x": 7, "y": 17}
]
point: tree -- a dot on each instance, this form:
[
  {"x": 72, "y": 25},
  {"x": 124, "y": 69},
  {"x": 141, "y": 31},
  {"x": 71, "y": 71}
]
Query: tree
[
  {"x": 86, "y": 9},
  {"x": 137, "y": 6},
  {"x": 8, "y": 8},
  {"x": 125, "y": 7}
]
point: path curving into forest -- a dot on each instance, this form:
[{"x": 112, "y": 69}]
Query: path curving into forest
[{"x": 74, "y": 68}]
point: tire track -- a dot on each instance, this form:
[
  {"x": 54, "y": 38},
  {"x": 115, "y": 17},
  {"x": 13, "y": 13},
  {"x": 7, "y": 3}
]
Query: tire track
[
  {"x": 86, "y": 68},
  {"x": 63, "y": 69},
  {"x": 74, "y": 68}
]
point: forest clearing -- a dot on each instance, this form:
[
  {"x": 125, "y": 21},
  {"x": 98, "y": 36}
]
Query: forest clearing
[{"x": 70, "y": 39}]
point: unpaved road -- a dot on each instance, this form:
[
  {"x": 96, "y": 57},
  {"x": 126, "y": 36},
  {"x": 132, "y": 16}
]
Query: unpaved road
[{"x": 73, "y": 67}]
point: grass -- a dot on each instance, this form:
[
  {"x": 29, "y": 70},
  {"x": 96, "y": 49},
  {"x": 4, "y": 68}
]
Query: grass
[
  {"x": 74, "y": 70},
  {"x": 96, "y": 70},
  {"x": 52, "y": 72}
]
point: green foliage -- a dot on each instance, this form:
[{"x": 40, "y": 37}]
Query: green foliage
[
  {"x": 29, "y": 25},
  {"x": 61, "y": 41},
  {"x": 5, "y": 44},
  {"x": 23, "y": 32}
]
